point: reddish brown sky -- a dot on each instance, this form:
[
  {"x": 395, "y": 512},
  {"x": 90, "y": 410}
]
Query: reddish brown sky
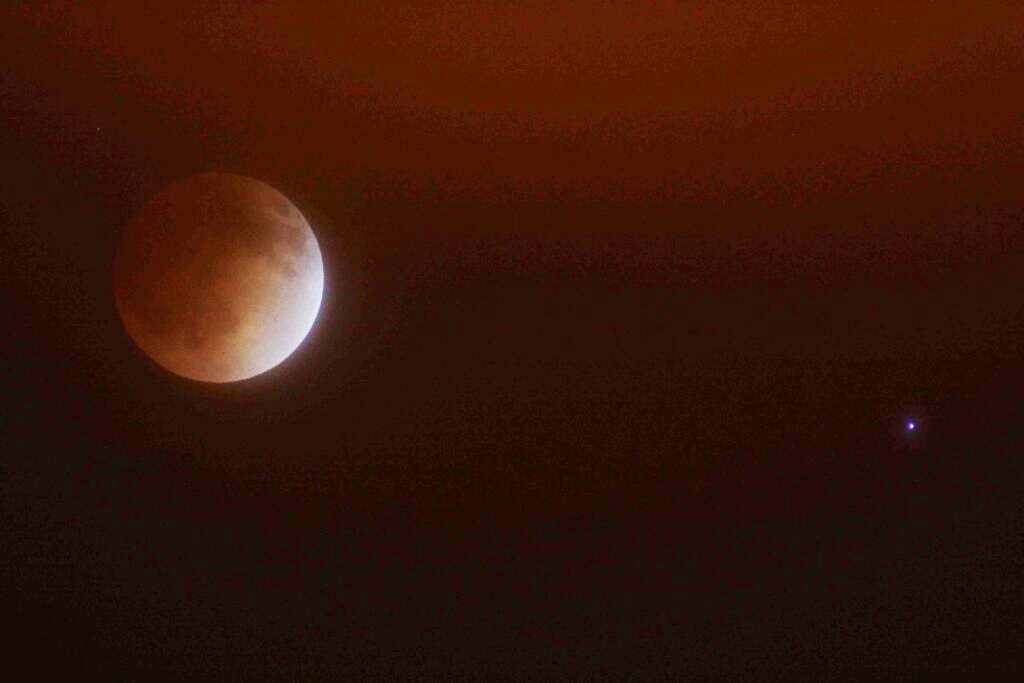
[
  {"x": 834, "y": 179},
  {"x": 835, "y": 183},
  {"x": 656, "y": 100},
  {"x": 627, "y": 304}
]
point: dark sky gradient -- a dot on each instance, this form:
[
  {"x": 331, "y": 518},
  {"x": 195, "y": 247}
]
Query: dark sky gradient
[{"x": 626, "y": 307}]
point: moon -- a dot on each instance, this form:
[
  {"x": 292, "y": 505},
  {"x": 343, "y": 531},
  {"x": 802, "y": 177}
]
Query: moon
[{"x": 218, "y": 278}]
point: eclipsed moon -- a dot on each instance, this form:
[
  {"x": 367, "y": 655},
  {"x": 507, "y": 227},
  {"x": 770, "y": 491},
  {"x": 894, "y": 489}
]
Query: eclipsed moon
[{"x": 218, "y": 278}]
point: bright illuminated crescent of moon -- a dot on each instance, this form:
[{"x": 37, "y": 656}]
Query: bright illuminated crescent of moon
[{"x": 218, "y": 278}]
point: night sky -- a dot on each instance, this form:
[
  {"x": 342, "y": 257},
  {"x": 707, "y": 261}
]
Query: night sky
[{"x": 627, "y": 308}]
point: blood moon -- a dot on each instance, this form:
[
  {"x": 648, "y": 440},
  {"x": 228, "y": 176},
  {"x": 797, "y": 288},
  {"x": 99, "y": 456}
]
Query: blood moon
[{"x": 218, "y": 277}]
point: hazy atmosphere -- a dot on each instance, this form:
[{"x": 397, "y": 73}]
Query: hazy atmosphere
[{"x": 656, "y": 340}]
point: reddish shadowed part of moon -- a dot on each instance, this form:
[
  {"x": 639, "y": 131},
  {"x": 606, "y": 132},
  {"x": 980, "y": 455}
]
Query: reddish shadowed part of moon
[{"x": 218, "y": 278}]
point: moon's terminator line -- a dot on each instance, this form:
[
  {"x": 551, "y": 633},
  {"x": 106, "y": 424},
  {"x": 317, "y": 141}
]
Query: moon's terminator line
[{"x": 218, "y": 278}]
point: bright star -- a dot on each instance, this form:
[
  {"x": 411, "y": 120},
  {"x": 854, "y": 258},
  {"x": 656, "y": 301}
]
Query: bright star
[{"x": 911, "y": 426}]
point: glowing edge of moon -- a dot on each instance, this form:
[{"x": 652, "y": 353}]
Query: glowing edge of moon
[{"x": 255, "y": 348}]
